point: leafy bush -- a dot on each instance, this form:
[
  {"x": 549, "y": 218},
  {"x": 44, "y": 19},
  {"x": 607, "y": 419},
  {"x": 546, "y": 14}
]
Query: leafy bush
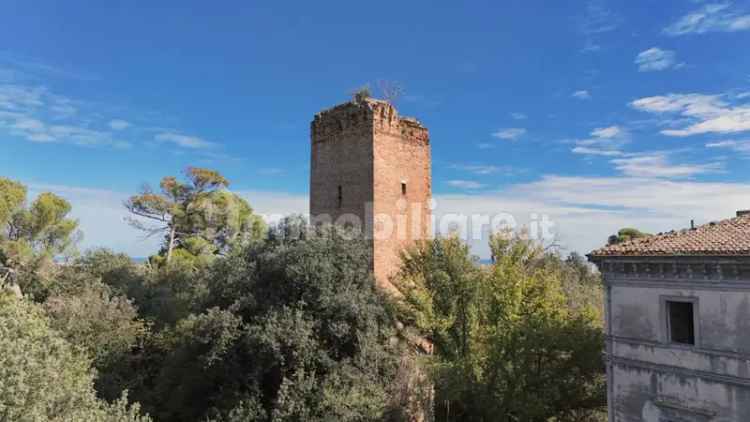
[
  {"x": 43, "y": 376},
  {"x": 508, "y": 346}
]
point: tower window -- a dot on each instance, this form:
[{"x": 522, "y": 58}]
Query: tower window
[
  {"x": 403, "y": 188},
  {"x": 340, "y": 197},
  {"x": 681, "y": 322}
]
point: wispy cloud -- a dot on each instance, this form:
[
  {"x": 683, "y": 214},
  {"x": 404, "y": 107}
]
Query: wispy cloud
[
  {"x": 482, "y": 169},
  {"x": 184, "y": 141},
  {"x": 465, "y": 184},
  {"x": 715, "y": 17},
  {"x": 705, "y": 113},
  {"x": 118, "y": 124},
  {"x": 739, "y": 146},
  {"x": 605, "y": 141},
  {"x": 584, "y": 210},
  {"x": 518, "y": 116},
  {"x": 597, "y": 151},
  {"x": 658, "y": 165},
  {"x": 23, "y": 67},
  {"x": 509, "y": 134},
  {"x": 590, "y": 47},
  {"x": 32, "y": 112},
  {"x": 581, "y": 94},
  {"x": 655, "y": 59},
  {"x": 37, "y": 115},
  {"x": 597, "y": 19}
]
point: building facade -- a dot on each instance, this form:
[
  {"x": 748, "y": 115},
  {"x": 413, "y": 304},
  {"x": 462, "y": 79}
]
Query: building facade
[
  {"x": 370, "y": 169},
  {"x": 677, "y": 315}
]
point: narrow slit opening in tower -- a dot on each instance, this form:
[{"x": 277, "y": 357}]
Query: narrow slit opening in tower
[
  {"x": 403, "y": 188},
  {"x": 340, "y": 197}
]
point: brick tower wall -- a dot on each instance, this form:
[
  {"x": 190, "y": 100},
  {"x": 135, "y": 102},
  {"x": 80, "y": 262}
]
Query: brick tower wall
[
  {"x": 373, "y": 154},
  {"x": 342, "y": 153},
  {"x": 401, "y": 159}
]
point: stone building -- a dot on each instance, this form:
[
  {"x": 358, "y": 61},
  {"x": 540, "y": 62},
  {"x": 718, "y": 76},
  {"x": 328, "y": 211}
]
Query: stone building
[
  {"x": 678, "y": 324},
  {"x": 371, "y": 169}
]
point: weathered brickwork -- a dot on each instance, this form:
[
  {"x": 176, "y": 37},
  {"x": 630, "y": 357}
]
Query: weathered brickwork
[{"x": 369, "y": 162}]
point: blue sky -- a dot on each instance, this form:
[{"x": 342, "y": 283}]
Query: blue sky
[{"x": 599, "y": 114}]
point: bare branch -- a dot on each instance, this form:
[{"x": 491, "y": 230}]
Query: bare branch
[{"x": 390, "y": 91}]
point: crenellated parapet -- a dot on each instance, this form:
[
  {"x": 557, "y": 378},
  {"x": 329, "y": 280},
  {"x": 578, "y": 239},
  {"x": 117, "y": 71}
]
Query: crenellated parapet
[{"x": 368, "y": 114}]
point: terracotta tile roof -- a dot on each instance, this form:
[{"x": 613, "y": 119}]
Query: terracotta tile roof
[{"x": 727, "y": 238}]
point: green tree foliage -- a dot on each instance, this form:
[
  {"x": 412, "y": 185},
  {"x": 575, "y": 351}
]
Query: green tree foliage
[
  {"x": 41, "y": 231},
  {"x": 31, "y": 237},
  {"x": 292, "y": 329},
  {"x": 12, "y": 196},
  {"x": 199, "y": 218},
  {"x": 626, "y": 234},
  {"x": 508, "y": 345},
  {"x": 44, "y": 378},
  {"x": 103, "y": 324}
]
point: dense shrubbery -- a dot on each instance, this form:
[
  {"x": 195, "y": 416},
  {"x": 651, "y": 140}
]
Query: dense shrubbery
[
  {"x": 286, "y": 325},
  {"x": 43, "y": 376},
  {"x": 514, "y": 341}
]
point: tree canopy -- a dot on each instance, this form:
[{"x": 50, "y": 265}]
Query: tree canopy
[
  {"x": 199, "y": 218},
  {"x": 508, "y": 346},
  {"x": 43, "y": 229},
  {"x": 43, "y": 376},
  {"x": 626, "y": 234},
  {"x": 230, "y": 322}
]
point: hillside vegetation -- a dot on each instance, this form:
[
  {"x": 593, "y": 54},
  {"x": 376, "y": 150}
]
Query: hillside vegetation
[{"x": 234, "y": 321}]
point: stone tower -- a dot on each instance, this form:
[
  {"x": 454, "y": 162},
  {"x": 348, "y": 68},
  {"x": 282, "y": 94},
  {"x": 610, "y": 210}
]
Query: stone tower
[{"x": 371, "y": 169}]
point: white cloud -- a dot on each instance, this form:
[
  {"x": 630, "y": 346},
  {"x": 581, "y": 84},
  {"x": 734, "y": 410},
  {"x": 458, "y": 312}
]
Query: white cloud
[
  {"x": 581, "y": 94},
  {"x": 465, "y": 184},
  {"x": 509, "y": 134},
  {"x": 17, "y": 97},
  {"x": 35, "y": 130},
  {"x": 710, "y": 18},
  {"x": 740, "y": 146},
  {"x": 655, "y": 59},
  {"x": 480, "y": 169},
  {"x": 184, "y": 141},
  {"x": 598, "y": 19},
  {"x": 607, "y": 132},
  {"x": 590, "y": 47},
  {"x": 101, "y": 217},
  {"x": 485, "y": 145},
  {"x": 37, "y": 115},
  {"x": 584, "y": 210},
  {"x": 518, "y": 116},
  {"x": 657, "y": 165},
  {"x": 604, "y": 141},
  {"x": 118, "y": 124},
  {"x": 706, "y": 113},
  {"x": 596, "y": 151}
]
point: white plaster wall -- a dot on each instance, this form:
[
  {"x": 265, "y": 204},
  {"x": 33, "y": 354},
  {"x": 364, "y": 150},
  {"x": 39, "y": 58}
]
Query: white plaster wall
[
  {"x": 709, "y": 382},
  {"x": 724, "y": 316},
  {"x": 640, "y": 396}
]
